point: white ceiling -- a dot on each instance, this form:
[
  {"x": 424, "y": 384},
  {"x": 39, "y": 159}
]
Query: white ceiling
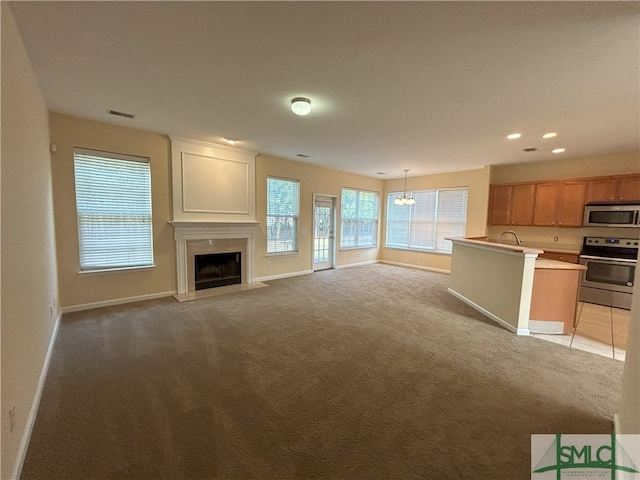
[{"x": 430, "y": 86}]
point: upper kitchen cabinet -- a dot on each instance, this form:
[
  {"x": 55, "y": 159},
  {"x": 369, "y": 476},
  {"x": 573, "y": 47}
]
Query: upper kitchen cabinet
[
  {"x": 559, "y": 204},
  {"x": 512, "y": 204},
  {"x": 614, "y": 189}
]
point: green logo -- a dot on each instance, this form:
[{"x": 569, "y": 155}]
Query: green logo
[{"x": 605, "y": 456}]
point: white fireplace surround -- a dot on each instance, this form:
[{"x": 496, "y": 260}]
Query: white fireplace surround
[{"x": 185, "y": 232}]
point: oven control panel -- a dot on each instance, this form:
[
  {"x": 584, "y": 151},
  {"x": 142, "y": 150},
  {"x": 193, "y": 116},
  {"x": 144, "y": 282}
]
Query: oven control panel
[{"x": 612, "y": 242}]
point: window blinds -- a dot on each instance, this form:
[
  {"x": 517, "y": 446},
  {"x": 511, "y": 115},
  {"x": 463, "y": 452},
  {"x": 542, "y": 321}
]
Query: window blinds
[
  {"x": 113, "y": 201},
  {"x": 282, "y": 215},
  {"x": 437, "y": 214},
  {"x": 359, "y": 218}
]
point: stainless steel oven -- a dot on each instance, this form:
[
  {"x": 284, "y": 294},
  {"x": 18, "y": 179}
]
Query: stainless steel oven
[{"x": 611, "y": 265}]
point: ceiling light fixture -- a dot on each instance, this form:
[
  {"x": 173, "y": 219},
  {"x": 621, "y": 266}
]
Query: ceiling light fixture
[
  {"x": 513, "y": 136},
  {"x": 404, "y": 199},
  {"x": 550, "y": 135},
  {"x": 557, "y": 150},
  {"x": 301, "y": 106},
  {"x": 231, "y": 141}
]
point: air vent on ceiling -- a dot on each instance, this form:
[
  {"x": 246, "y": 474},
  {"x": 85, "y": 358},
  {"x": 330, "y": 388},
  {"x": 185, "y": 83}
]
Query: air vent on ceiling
[
  {"x": 531, "y": 149},
  {"x": 121, "y": 114},
  {"x": 302, "y": 155}
]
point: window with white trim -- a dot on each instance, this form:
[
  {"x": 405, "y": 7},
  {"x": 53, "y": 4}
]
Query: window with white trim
[
  {"x": 358, "y": 219},
  {"x": 437, "y": 214},
  {"x": 113, "y": 202},
  {"x": 282, "y": 215}
]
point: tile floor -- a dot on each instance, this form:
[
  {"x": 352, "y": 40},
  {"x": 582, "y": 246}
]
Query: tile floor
[{"x": 600, "y": 329}]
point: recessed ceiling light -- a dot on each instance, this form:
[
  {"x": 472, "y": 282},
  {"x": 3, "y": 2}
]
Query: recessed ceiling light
[
  {"x": 513, "y": 136},
  {"x": 231, "y": 141},
  {"x": 380, "y": 173},
  {"x": 301, "y": 106},
  {"x": 557, "y": 150},
  {"x": 550, "y": 135}
]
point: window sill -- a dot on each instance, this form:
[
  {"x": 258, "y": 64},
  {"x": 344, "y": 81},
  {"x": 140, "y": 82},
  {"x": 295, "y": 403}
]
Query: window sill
[
  {"x": 284, "y": 254},
  {"x": 364, "y": 247},
  {"x": 418, "y": 250},
  {"x": 111, "y": 271}
]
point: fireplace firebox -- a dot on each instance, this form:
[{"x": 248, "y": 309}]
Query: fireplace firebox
[{"x": 217, "y": 270}]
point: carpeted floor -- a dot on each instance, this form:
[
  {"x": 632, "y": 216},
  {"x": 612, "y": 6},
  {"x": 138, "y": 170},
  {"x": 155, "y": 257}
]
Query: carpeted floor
[{"x": 371, "y": 372}]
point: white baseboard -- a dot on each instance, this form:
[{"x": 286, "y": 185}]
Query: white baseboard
[
  {"x": 283, "y": 275},
  {"x": 117, "y": 301},
  {"x": 546, "y": 327},
  {"x": 419, "y": 267},
  {"x": 358, "y": 264},
  {"x": 498, "y": 320},
  {"x": 31, "y": 419}
]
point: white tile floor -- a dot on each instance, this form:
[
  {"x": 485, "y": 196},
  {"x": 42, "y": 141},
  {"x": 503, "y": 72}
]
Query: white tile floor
[{"x": 599, "y": 329}]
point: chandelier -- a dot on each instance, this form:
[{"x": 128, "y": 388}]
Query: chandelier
[{"x": 404, "y": 199}]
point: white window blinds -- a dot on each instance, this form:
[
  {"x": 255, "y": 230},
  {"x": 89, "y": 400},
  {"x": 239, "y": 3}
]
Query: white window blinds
[
  {"x": 113, "y": 201},
  {"x": 437, "y": 214},
  {"x": 359, "y": 218},
  {"x": 282, "y": 215}
]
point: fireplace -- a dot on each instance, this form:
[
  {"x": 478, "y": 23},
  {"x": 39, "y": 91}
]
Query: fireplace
[
  {"x": 195, "y": 239},
  {"x": 217, "y": 270}
]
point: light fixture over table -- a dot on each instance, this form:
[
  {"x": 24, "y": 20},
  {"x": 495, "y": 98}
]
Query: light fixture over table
[
  {"x": 404, "y": 199},
  {"x": 301, "y": 106}
]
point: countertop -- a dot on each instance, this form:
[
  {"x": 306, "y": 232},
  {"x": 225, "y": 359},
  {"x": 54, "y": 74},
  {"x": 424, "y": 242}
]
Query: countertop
[
  {"x": 545, "y": 263},
  {"x": 547, "y": 247}
]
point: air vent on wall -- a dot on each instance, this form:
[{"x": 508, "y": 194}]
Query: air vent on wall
[
  {"x": 121, "y": 114},
  {"x": 531, "y": 149},
  {"x": 302, "y": 155}
]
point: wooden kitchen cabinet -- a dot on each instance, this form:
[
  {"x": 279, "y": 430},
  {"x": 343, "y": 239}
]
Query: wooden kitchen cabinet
[
  {"x": 629, "y": 188},
  {"x": 614, "y": 189},
  {"x": 561, "y": 257},
  {"x": 512, "y": 204},
  {"x": 559, "y": 204}
]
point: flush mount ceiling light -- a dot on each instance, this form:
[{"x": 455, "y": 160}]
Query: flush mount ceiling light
[
  {"x": 558, "y": 150},
  {"x": 404, "y": 199},
  {"x": 301, "y": 106},
  {"x": 231, "y": 141},
  {"x": 550, "y": 135},
  {"x": 513, "y": 136}
]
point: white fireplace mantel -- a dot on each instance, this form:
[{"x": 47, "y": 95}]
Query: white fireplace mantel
[{"x": 188, "y": 231}]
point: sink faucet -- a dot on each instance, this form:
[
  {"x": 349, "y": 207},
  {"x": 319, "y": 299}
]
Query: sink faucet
[{"x": 512, "y": 233}]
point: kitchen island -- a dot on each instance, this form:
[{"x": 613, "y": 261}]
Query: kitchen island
[{"x": 510, "y": 285}]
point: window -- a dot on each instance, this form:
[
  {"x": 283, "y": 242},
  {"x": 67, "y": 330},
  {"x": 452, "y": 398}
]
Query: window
[
  {"x": 437, "y": 214},
  {"x": 282, "y": 215},
  {"x": 113, "y": 201},
  {"x": 359, "y": 218}
]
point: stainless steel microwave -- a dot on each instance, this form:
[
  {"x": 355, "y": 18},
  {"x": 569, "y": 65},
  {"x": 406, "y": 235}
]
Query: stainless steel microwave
[{"x": 611, "y": 215}]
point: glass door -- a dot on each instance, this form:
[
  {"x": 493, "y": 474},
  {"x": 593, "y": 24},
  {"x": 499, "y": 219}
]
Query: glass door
[{"x": 323, "y": 237}]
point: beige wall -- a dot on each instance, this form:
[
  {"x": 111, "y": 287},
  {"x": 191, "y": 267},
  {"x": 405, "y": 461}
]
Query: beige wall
[
  {"x": 477, "y": 204},
  {"x": 498, "y": 281},
  {"x": 595, "y": 166},
  {"x": 617, "y": 164},
  {"x": 68, "y": 132},
  {"x": 312, "y": 180},
  {"x": 629, "y": 409},
  {"x": 29, "y": 280}
]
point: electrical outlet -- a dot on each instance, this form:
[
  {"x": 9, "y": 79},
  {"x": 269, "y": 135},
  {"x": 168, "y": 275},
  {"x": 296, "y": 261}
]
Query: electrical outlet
[
  {"x": 420, "y": 257},
  {"x": 12, "y": 417},
  {"x": 358, "y": 255},
  {"x": 268, "y": 264},
  {"x": 555, "y": 239}
]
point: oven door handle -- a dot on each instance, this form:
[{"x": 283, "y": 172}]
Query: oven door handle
[{"x": 608, "y": 259}]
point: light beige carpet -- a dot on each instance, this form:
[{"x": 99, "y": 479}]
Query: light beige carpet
[{"x": 372, "y": 372}]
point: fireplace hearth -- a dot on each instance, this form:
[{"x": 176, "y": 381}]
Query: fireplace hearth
[{"x": 217, "y": 270}]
